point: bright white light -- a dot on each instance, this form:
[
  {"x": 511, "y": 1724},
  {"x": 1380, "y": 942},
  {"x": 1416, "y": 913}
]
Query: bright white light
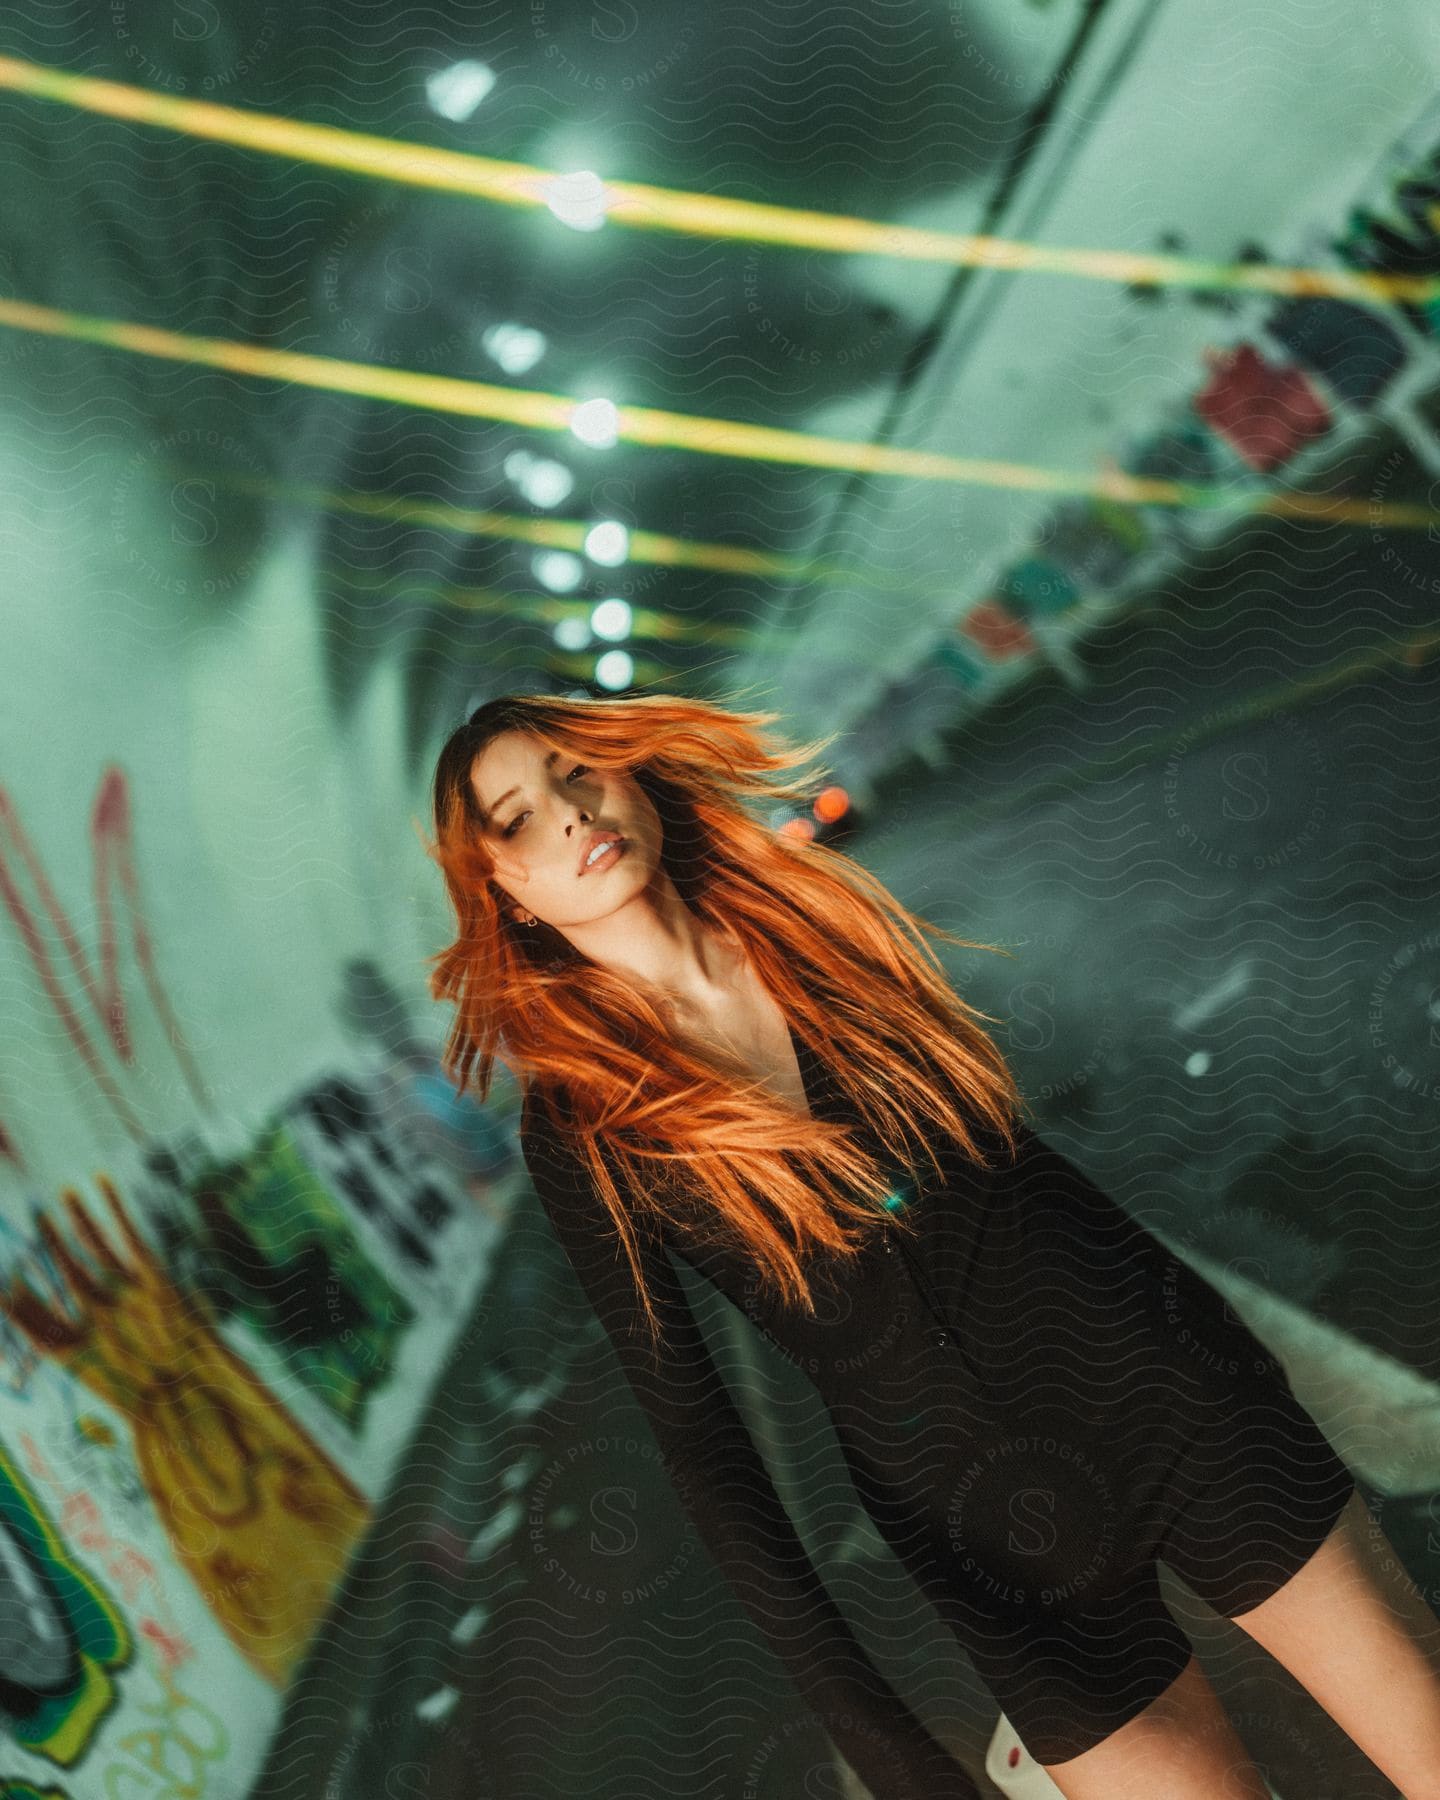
[
  {"x": 455, "y": 92},
  {"x": 578, "y": 199},
  {"x": 572, "y": 634},
  {"x": 596, "y": 422},
  {"x": 561, "y": 572},
  {"x": 547, "y": 484},
  {"x": 610, "y": 619},
  {"x": 542, "y": 482},
  {"x": 1198, "y": 1062},
  {"x": 607, "y": 543},
  {"x": 515, "y": 347},
  {"x": 615, "y": 669}
]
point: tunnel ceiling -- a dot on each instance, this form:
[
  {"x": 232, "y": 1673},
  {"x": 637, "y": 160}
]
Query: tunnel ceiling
[{"x": 825, "y": 590}]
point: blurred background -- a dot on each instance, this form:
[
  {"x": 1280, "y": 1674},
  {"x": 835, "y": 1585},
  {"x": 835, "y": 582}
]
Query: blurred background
[{"x": 1045, "y": 397}]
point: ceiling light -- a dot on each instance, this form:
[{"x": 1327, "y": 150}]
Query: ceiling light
[
  {"x": 615, "y": 669},
  {"x": 607, "y": 543},
  {"x": 515, "y": 347},
  {"x": 610, "y": 619},
  {"x": 578, "y": 199},
  {"x": 561, "y": 572},
  {"x": 572, "y": 634},
  {"x": 542, "y": 482},
  {"x": 455, "y": 92},
  {"x": 596, "y": 422}
]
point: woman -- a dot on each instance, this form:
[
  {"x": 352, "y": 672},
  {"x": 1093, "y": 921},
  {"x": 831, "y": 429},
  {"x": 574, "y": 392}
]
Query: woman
[{"x": 738, "y": 1050}]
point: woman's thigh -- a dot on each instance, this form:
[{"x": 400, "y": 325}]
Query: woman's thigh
[
  {"x": 1181, "y": 1747},
  {"x": 1353, "y": 1629}
]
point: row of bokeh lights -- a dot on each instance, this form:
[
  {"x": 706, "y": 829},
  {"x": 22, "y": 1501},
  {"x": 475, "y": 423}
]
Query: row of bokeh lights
[{"x": 577, "y": 200}]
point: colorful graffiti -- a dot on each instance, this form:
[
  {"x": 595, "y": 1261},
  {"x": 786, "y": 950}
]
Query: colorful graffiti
[
  {"x": 167, "y": 1746},
  {"x": 359, "y": 1158},
  {"x": 257, "y": 1513},
  {"x": 277, "y": 1250},
  {"x": 1400, "y": 234},
  {"x": 63, "y": 1637},
  {"x": 160, "y": 1741}
]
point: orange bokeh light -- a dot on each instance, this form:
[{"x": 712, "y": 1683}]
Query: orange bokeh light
[{"x": 831, "y": 803}]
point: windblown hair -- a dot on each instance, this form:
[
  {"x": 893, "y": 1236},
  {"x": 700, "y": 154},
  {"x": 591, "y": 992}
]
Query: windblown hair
[{"x": 660, "y": 1124}]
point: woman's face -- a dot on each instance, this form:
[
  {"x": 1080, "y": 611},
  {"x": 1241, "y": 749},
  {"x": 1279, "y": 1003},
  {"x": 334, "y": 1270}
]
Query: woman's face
[{"x": 542, "y": 808}]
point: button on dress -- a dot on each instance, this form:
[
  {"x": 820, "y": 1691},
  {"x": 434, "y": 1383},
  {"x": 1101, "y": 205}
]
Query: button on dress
[{"x": 1035, "y": 1401}]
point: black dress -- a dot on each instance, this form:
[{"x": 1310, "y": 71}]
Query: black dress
[{"x": 1035, "y": 1401}]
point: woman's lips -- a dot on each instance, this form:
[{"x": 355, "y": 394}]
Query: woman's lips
[{"x": 606, "y": 858}]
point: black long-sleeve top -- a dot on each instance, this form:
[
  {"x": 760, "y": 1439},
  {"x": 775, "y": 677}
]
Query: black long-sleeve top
[{"x": 878, "y": 1317}]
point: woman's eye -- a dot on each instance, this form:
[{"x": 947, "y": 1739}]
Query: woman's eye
[{"x": 514, "y": 824}]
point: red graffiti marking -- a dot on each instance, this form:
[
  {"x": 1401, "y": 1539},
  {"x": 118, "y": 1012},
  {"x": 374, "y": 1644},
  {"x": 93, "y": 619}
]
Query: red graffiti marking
[
  {"x": 125, "y": 1565},
  {"x": 37, "y": 1462},
  {"x": 131, "y": 1571},
  {"x": 113, "y": 861},
  {"x": 172, "y": 1649}
]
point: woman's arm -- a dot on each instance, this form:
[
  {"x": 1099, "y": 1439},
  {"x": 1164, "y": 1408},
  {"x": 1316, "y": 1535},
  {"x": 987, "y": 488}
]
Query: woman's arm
[{"x": 723, "y": 1484}]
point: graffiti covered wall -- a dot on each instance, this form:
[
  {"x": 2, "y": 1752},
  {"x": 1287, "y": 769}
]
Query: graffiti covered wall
[{"x": 241, "y": 1221}]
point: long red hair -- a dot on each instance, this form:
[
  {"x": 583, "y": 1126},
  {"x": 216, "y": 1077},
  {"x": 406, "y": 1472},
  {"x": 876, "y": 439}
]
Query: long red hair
[{"x": 659, "y": 1124}]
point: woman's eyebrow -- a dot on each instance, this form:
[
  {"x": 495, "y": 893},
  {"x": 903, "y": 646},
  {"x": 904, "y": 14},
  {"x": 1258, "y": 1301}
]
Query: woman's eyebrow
[{"x": 490, "y": 811}]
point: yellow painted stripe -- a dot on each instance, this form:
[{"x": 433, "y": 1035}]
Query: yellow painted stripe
[
  {"x": 646, "y": 208},
  {"x": 684, "y": 431}
]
